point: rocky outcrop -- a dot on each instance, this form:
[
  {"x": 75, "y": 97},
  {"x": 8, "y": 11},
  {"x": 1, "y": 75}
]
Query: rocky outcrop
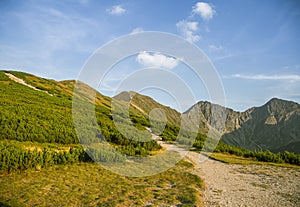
[
  {"x": 271, "y": 120},
  {"x": 274, "y": 126}
]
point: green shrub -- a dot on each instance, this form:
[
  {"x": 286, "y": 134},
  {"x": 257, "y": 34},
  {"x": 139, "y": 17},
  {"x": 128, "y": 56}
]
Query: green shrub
[{"x": 15, "y": 157}]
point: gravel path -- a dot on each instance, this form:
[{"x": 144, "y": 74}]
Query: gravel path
[
  {"x": 235, "y": 185},
  {"x": 247, "y": 185}
]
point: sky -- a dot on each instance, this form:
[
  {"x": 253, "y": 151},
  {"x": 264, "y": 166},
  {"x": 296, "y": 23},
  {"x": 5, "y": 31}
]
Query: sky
[{"x": 253, "y": 45}]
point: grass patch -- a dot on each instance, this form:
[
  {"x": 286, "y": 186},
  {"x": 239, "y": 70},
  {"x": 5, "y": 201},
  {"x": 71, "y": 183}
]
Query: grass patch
[
  {"x": 88, "y": 184},
  {"x": 233, "y": 159}
]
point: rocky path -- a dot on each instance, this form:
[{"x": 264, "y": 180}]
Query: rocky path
[
  {"x": 21, "y": 81},
  {"x": 233, "y": 185},
  {"x": 247, "y": 185}
]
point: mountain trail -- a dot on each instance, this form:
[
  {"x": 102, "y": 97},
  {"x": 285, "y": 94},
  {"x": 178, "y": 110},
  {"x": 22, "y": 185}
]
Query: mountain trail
[
  {"x": 138, "y": 108},
  {"x": 246, "y": 185},
  {"x": 21, "y": 81},
  {"x": 231, "y": 185}
]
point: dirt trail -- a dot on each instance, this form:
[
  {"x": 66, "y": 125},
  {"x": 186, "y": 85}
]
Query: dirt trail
[
  {"x": 244, "y": 185},
  {"x": 21, "y": 81},
  {"x": 247, "y": 185}
]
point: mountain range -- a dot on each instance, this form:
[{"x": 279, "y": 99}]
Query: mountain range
[{"x": 274, "y": 126}]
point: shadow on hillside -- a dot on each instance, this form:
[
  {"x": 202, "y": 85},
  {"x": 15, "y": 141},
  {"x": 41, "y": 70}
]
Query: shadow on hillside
[
  {"x": 255, "y": 133},
  {"x": 3, "y": 205}
]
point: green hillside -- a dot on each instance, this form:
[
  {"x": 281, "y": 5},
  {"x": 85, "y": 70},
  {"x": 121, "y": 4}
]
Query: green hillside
[
  {"x": 141, "y": 107},
  {"x": 44, "y": 114},
  {"x": 145, "y": 104},
  {"x": 38, "y": 110}
]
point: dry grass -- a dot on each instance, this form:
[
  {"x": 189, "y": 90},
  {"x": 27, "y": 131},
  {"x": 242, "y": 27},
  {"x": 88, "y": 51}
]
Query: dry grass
[
  {"x": 233, "y": 159},
  {"x": 89, "y": 184}
]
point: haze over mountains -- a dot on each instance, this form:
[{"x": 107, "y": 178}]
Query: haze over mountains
[{"x": 274, "y": 126}]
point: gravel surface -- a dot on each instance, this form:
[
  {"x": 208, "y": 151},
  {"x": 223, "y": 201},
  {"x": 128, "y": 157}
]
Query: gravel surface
[
  {"x": 244, "y": 185},
  {"x": 247, "y": 185}
]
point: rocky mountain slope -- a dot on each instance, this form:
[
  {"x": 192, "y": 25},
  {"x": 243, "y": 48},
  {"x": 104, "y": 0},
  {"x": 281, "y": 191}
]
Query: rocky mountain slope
[
  {"x": 146, "y": 104},
  {"x": 274, "y": 126}
]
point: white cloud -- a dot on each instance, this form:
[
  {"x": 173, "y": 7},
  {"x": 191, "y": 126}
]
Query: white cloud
[
  {"x": 204, "y": 10},
  {"x": 215, "y": 48},
  {"x": 137, "y": 30},
  {"x": 156, "y": 60},
  {"x": 116, "y": 10},
  {"x": 188, "y": 30},
  {"x": 268, "y": 77}
]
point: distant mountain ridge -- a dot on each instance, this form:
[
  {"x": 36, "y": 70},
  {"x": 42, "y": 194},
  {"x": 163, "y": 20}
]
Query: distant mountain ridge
[
  {"x": 274, "y": 126},
  {"x": 146, "y": 104}
]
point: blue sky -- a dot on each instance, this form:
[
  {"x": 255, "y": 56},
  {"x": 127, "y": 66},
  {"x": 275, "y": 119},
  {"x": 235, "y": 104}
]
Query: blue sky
[{"x": 254, "y": 45}]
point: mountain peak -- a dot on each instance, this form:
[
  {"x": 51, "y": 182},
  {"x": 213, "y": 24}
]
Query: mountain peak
[
  {"x": 279, "y": 105},
  {"x": 276, "y": 100},
  {"x": 125, "y": 96}
]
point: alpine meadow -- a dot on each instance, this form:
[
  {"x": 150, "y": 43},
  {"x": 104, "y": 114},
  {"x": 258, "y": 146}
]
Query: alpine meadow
[{"x": 142, "y": 103}]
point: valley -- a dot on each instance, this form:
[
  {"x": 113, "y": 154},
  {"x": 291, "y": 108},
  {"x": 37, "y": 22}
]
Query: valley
[
  {"x": 248, "y": 183},
  {"x": 149, "y": 103},
  {"x": 44, "y": 163}
]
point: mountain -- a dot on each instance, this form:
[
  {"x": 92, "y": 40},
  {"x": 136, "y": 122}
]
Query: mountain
[
  {"x": 38, "y": 109},
  {"x": 145, "y": 104},
  {"x": 275, "y": 126},
  {"x": 53, "y": 88}
]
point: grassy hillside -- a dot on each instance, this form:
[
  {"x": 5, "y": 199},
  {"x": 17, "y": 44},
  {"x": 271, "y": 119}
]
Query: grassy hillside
[
  {"x": 30, "y": 115},
  {"x": 88, "y": 184},
  {"x": 45, "y": 115},
  {"x": 146, "y": 104},
  {"x": 42, "y": 162}
]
